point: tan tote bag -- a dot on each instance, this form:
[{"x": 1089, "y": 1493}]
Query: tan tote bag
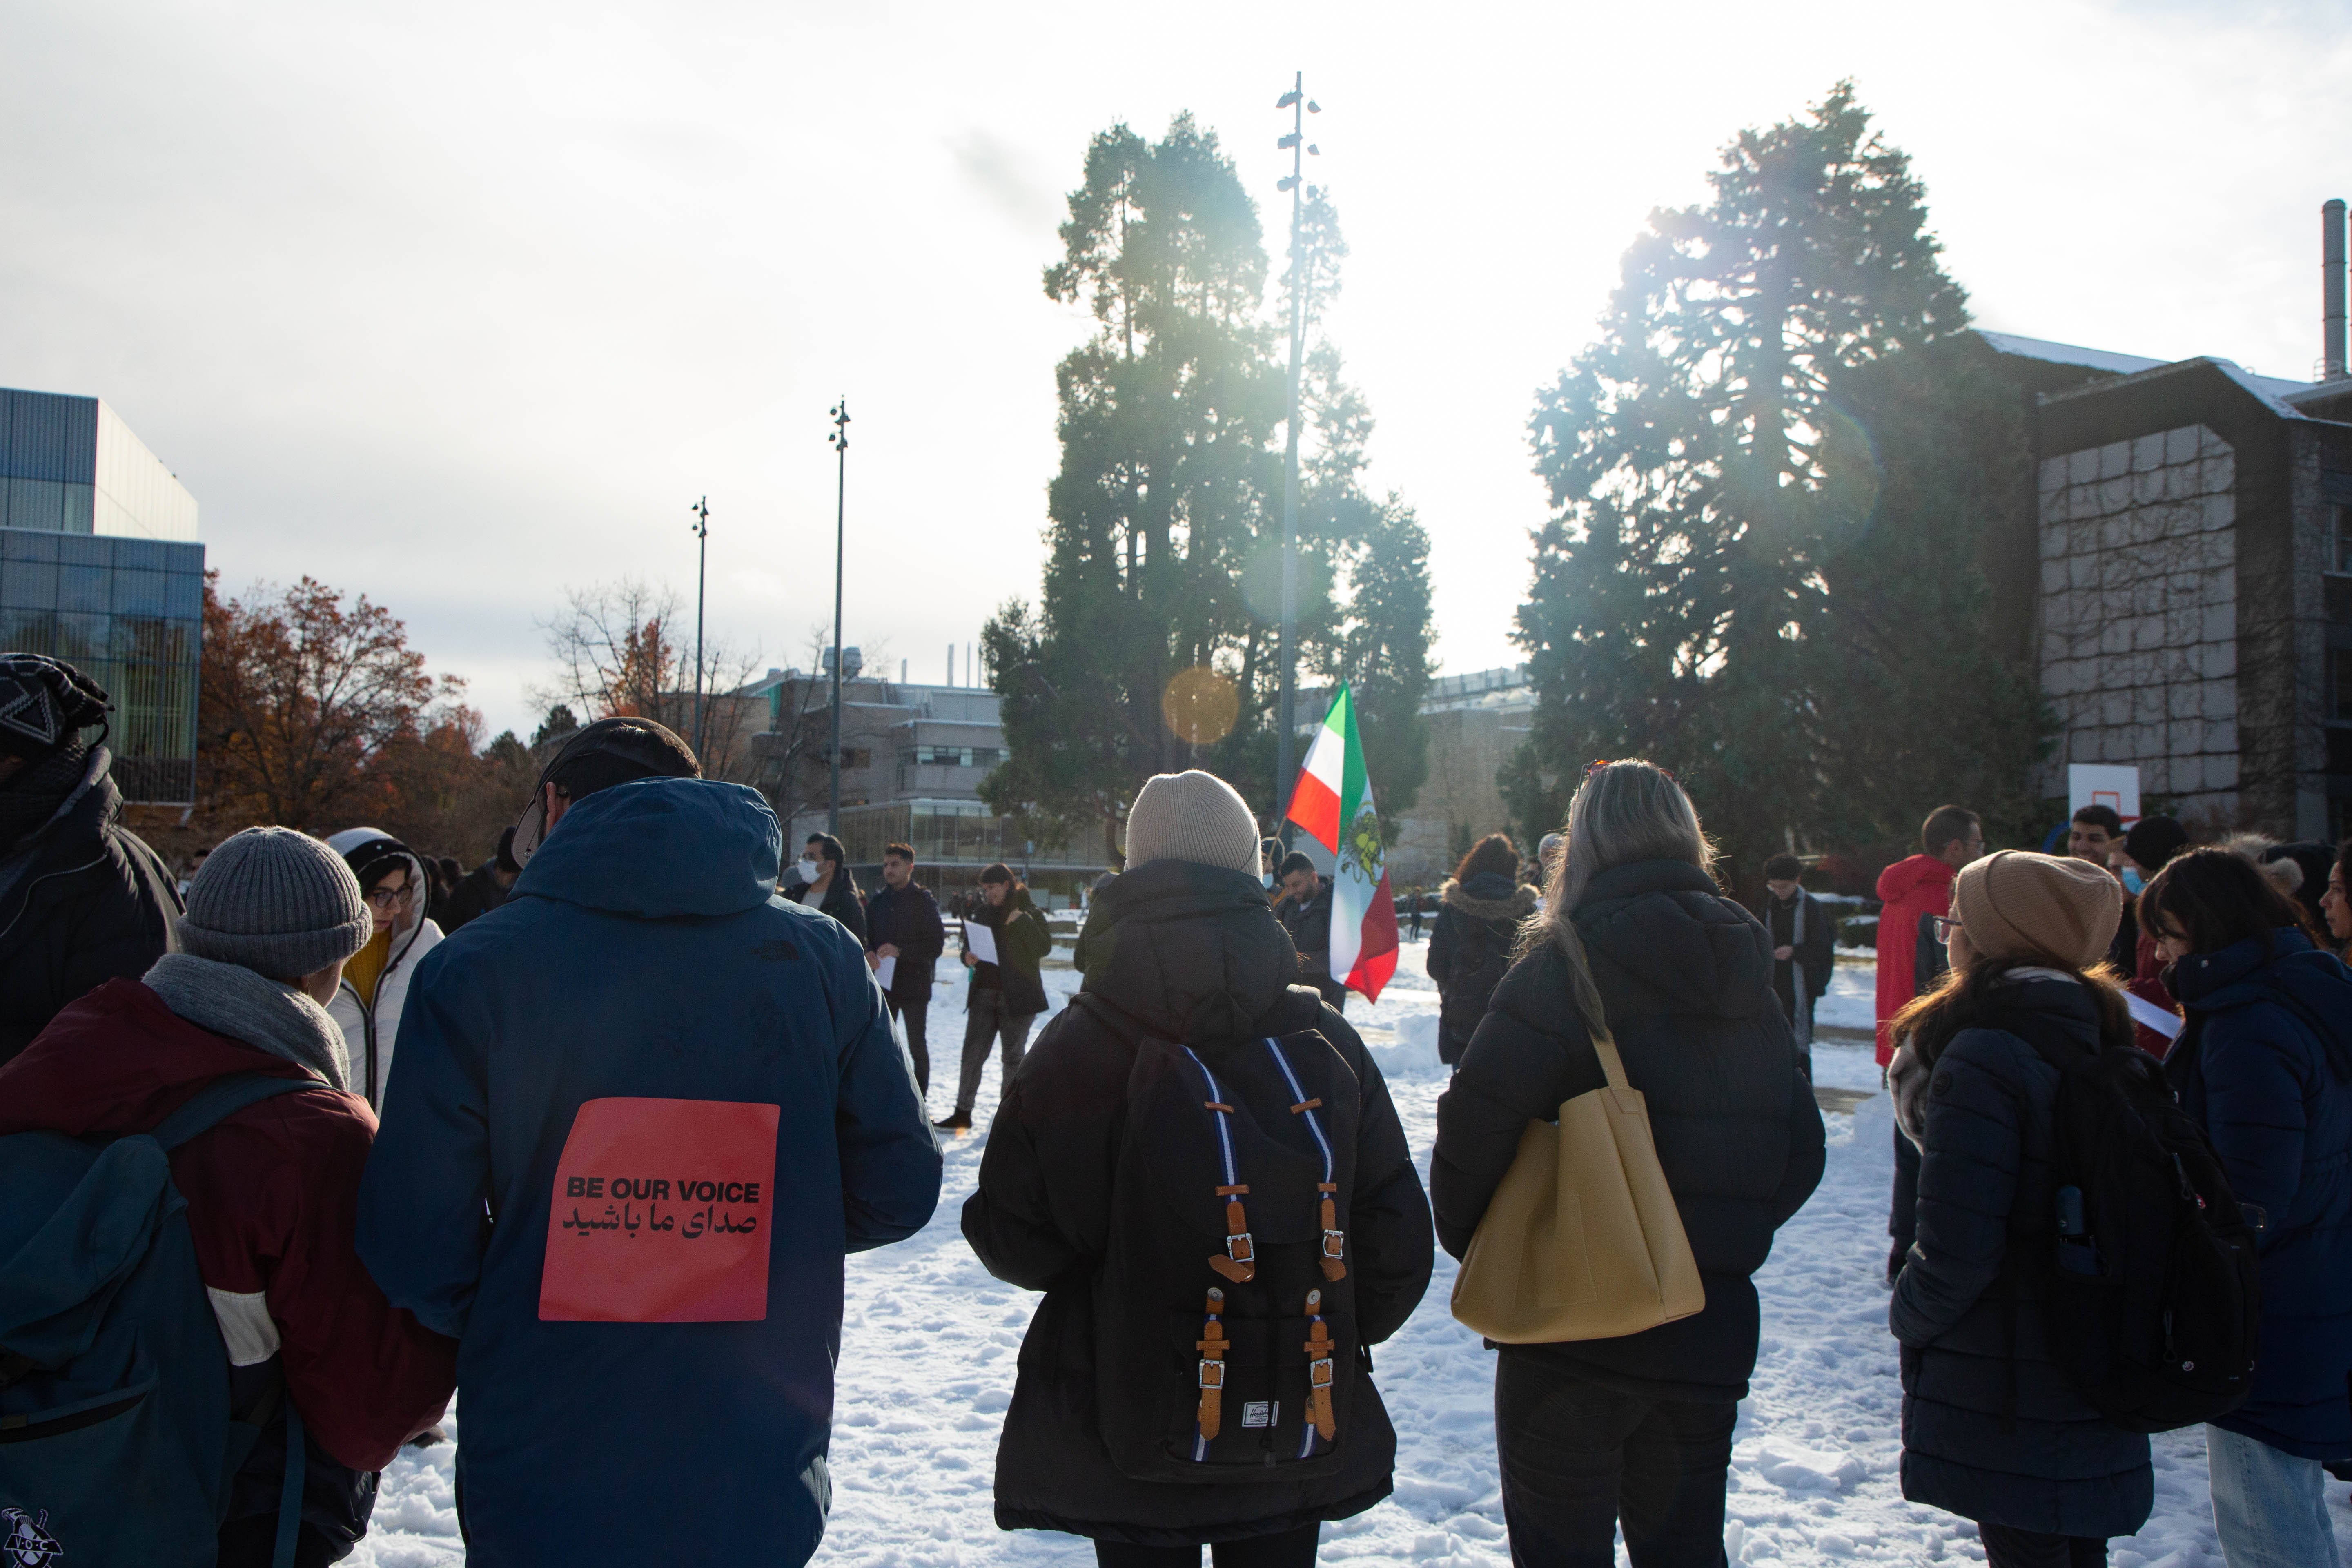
[{"x": 1583, "y": 1240}]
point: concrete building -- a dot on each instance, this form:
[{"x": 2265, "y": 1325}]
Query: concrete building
[
  {"x": 913, "y": 757},
  {"x": 1475, "y": 722},
  {"x": 2192, "y": 583},
  {"x": 99, "y": 566}
]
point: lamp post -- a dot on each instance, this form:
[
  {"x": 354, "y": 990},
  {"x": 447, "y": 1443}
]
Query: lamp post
[
  {"x": 701, "y": 525},
  {"x": 839, "y": 441},
  {"x": 1286, "y": 739}
]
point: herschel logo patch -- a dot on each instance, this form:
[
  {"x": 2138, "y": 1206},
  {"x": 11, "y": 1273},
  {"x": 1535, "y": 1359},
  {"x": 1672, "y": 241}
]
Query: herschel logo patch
[
  {"x": 660, "y": 1213},
  {"x": 25, "y": 1543}
]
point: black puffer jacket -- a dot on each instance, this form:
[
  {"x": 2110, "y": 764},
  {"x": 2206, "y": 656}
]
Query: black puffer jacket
[
  {"x": 1470, "y": 951},
  {"x": 1993, "y": 1430},
  {"x": 1186, "y": 953},
  {"x": 82, "y": 900},
  {"x": 1022, "y": 941},
  {"x": 1686, "y": 980}
]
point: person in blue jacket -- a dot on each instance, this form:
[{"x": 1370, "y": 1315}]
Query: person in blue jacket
[
  {"x": 640, "y": 1112},
  {"x": 2265, "y": 1064}
]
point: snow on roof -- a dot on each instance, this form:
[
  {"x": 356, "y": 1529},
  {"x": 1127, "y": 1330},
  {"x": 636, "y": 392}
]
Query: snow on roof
[
  {"x": 2271, "y": 389},
  {"x": 2067, "y": 354}
]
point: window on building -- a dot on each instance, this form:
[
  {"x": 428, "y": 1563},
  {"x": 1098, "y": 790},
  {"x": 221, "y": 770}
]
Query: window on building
[
  {"x": 2340, "y": 566},
  {"x": 2339, "y": 684},
  {"x": 954, "y": 757}
]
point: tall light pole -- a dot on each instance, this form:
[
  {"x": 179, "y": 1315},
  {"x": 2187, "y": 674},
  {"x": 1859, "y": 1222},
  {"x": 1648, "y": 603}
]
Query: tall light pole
[
  {"x": 701, "y": 526},
  {"x": 1285, "y": 762},
  {"x": 839, "y": 441}
]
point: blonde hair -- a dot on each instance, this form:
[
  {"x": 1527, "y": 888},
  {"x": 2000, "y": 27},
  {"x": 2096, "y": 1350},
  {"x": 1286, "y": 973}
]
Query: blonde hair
[{"x": 1623, "y": 813}]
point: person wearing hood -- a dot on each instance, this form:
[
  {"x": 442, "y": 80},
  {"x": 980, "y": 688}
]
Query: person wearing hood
[
  {"x": 645, "y": 1108},
  {"x": 483, "y": 888},
  {"x": 1007, "y": 995},
  {"x": 1638, "y": 939},
  {"x": 1182, "y": 955},
  {"x": 1479, "y": 911},
  {"x": 2266, "y": 1068},
  {"x": 821, "y": 879},
  {"x": 271, "y": 1190},
  {"x": 367, "y": 1007},
  {"x": 1993, "y": 1429},
  {"x": 1913, "y": 894},
  {"x": 82, "y": 900}
]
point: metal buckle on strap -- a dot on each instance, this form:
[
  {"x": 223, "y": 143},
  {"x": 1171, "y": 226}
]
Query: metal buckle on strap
[
  {"x": 1212, "y": 1373},
  {"x": 1240, "y": 1249},
  {"x": 1335, "y": 1244},
  {"x": 1318, "y": 1373}
]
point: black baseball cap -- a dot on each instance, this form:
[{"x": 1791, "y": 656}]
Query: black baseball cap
[{"x": 607, "y": 753}]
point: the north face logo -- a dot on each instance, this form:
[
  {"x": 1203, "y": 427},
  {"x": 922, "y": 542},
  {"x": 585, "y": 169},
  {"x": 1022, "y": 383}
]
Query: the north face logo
[{"x": 25, "y": 1543}]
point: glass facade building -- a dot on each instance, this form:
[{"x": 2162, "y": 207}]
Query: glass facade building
[{"x": 99, "y": 566}]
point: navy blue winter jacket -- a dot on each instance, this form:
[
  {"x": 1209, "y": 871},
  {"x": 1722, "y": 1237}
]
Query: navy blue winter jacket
[
  {"x": 1992, "y": 1428},
  {"x": 643, "y": 958},
  {"x": 2264, "y": 1064}
]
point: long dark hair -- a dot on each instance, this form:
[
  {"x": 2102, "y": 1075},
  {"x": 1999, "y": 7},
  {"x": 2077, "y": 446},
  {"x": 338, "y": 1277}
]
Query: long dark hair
[
  {"x": 1493, "y": 853},
  {"x": 1966, "y": 998},
  {"x": 2216, "y": 898}
]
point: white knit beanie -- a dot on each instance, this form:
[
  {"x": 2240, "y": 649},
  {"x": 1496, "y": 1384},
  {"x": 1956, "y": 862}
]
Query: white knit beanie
[
  {"x": 275, "y": 902},
  {"x": 1192, "y": 817}
]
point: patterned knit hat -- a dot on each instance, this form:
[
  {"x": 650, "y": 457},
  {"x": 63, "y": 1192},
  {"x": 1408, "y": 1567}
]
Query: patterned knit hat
[
  {"x": 275, "y": 901},
  {"x": 45, "y": 703}
]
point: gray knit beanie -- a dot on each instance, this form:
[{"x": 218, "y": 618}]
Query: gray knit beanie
[
  {"x": 1192, "y": 817},
  {"x": 275, "y": 901}
]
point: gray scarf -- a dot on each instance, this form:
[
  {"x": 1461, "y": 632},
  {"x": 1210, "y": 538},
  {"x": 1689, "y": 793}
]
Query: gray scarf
[{"x": 230, "y": 999}]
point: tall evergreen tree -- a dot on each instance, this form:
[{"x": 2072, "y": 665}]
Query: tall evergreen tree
[
  {"x": 1164, "y": 534},
  {"x": 1745, "y": 581}
]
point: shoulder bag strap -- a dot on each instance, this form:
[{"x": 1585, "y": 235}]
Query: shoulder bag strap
[{"x": 222, "y": 1097}]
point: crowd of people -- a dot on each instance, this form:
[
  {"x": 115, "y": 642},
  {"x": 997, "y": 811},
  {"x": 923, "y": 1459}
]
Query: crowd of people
[{"x": 653, "y": 1086}]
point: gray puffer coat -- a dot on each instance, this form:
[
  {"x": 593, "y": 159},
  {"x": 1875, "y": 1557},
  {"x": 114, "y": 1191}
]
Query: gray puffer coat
[{"x": 1993, "y": 1430}]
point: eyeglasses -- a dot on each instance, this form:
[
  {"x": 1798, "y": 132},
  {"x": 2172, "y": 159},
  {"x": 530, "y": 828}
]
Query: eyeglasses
[
  {"x": 384, "y": 898},
  {"x": 1944, "y": 926}
]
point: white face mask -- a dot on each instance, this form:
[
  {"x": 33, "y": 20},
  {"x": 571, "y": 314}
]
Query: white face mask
[
  {"x": 811, "y": 870},
  {"x": 1266, "y": 878}
]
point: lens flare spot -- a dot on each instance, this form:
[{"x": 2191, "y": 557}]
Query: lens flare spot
[{"x": 1200, "y": 706}]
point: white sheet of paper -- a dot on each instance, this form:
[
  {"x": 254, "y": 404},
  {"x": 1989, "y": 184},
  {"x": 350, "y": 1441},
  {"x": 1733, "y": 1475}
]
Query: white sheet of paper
[
  {"x": 2147, "y": 1013},
  {"x": 886, "y": 969},
  {"x": 980, "y": 941}
]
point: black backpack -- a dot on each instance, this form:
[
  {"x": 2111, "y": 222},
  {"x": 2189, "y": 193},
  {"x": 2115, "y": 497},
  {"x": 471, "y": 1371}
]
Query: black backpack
[
  {"x": 2152, "y": 1287},
  {"x": 1481, "y": 960},
  {"x": 1224, "y": 1314}
]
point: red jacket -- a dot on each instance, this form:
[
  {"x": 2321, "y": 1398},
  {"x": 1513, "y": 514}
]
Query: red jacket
[
  {"x": 271, "y": 1192},
  {"x": 1919, "y": 886}
]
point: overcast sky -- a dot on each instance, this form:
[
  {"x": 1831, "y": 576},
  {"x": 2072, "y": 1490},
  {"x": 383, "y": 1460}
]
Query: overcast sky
[{"x": 460, "y": 305}]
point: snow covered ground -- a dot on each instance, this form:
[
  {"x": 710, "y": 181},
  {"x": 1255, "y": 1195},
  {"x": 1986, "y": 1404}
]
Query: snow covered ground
[{"x": 1814, "y": 1473}]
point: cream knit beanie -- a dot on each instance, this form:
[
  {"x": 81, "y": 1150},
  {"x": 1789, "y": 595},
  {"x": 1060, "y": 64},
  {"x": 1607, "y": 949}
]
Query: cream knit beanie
[
  {"x": 2018, "y": 906},
  {"x": 1192, "y": 817}
]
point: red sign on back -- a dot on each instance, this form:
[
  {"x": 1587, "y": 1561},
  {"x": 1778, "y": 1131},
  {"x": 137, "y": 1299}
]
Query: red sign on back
[{"x": 660, "y": 1213}]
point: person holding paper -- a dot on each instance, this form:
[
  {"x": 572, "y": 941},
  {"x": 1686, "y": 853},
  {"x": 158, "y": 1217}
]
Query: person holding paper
[
  {"x": 1002, "y": 941},
  {"x": 903, "y": 937}
]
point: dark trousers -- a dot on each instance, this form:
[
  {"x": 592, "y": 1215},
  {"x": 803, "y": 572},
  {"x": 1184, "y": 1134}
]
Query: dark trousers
[
  {"x": 1291, "y": 1549},
  {"x": 984, "y": 1022},
  {"x": 1579, "y": 1459},
  {"x": 917, "y": 1015},
  {"x": 1902, "y": 1214},
  {"x": 2007, "y": 1547}
]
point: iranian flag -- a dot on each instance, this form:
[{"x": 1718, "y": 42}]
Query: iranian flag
[{"x": 1333, "y": 802}]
